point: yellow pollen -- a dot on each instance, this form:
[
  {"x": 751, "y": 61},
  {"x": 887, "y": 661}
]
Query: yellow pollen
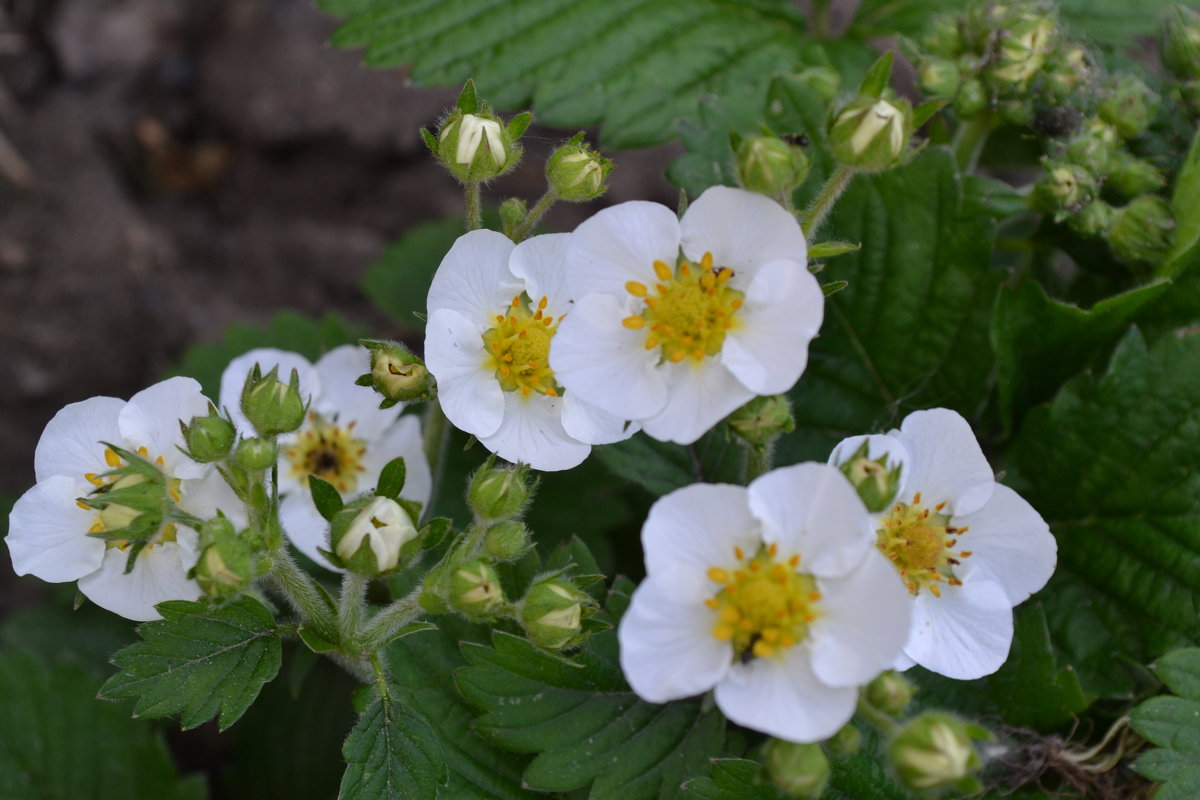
[
  {"x": 518, "y": 349},
  {"x": 330, "y": 452},
  {"x": 111, "y": 458},
  {"x": 636, "y": 289},
  {"x": 634, "y": 323},
  {"x": 689, "y": 313},
  {"x": 918, "y": 540}
]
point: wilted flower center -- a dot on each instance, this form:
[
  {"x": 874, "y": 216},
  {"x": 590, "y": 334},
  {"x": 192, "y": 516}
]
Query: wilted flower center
[
  {"x": 117, "y": 516},
  {"x": 689, "y": 313},
  {"x": 918, "y": 540},
  {"x": 518, "y": 349},
  {"x": 329, "y": 451},
  {"x": 764, "y": 605}
]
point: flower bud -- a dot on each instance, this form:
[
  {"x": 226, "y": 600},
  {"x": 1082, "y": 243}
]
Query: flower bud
[
  {"x": 367, "y": 535},
  {"x": 1181, "y": 43},
  {"x": 499, "y": 493},
  {"x": 871, "y": 133},
  {"x": 799, "y": 771},
  {"x": 507, "y": 540},
  {"x": 1129, "y": 105},
  {"x": 512, "y": 214},
  {"x": 1065, "y": 189},
  {"x": 396, "y": 373},
  {"x": 255, "y": 454},
  {"x": 762, "y": 420},
  {"x": 1132, "y": 177},
  {"x": 890, "y": 692},
  {"x": 939, "y": 77},
  {"x": 932, "y": 750},
  {"x": 845, "y": 742},
  {"x": 226, "y": 563},
  {"x": 942, "y": 36},
  {"x": 1094, "y": 148},
  {"x": 271, "y": 406},
  {"x": 1094, "y": 220},
  {"x": 1068, "y": 72},
  {"x": 1025, "y": 42},
  {"x": 1143, "y": 231},
  {"x": 875, "y": 482},
  {"x": 475, "y": 589},
  {"x": 208, "y": 438},
  {"x": 824, "y": 81},
  {"x": 476, "y": 146},
  {"x": 769, "y": 165},
  {"x": 577, "y": 173},
  {"x": 972, "y": 99},
  {"x": 553, "y": 611}
]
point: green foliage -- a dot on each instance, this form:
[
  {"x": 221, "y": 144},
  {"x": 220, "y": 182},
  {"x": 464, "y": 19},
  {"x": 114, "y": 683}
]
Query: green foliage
[
  {"x": 398, "y": 281},
  {"x": 1173, "y": 723},
  {"x": 326, "y": 498},
  {"x": 1114, "y": 21},
  {"x": 391, "y": 479},
  {"x": 392, "y": 753},
  {"x": 865, "y": 774},
  {"x": 661, "y": 467},
  {"x": 732, "y": 779},
  {"x": 1185, "y": 202},
  {"x": 199, "y": 660},
  {"x": 1032, "y": 689}
]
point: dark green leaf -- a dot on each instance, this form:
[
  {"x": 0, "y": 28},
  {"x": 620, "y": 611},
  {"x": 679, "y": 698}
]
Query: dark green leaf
[
  {"x": 391, "y": 479},
  {"x": 326, "y": 498},
  {"x": 864, "y": 775},
  {"x": 398, "y": 281},
  {"x": 1115, "y": 21},
  {"x": 733, "y": 779},
  {"x": 1185, "y": 202},
  {"x": 1031, "y": 689},
  {"x": 988, "y": 197},
  {"x": 1173, "y": 723},
  {"x": 86, "y": 637},
  {"x": 890, "y": 17},
  {"x": 392, "y": 753},
  {"x": 198, "y": 660},
  {"x": 661, "y": 467}
]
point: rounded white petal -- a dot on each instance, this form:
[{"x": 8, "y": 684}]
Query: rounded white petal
[
  {"x": 698, "y": 397},
  {"x": 742, "y": 230},
  {"x": 47, "y": 532},
  {"x": 965, "y": 633},
  {"x": 878, "y": 446},
  {"x": 620, "y": 244},
  {"x": 467, "y": 387},
  {"x": 811, "y": 509},
  {"x": 605, "y": 363},
  {"x": 473, "y": 279},
  {"x": 945, "y": 462},
  {"x": 667, "y": 647},
  {"x": 342, "y": 399},
  {"x": 401, "y": 440},
  {"x": 204, "y": 497},
  {"x": 532, "y": 433},
  {"x": 1010, "y": 544},
  {"x": 158, "y": 575},
  {"x": 151, "y": 419},
  {"x": 785, "y": 699},
  {"x": 862, "y": 623},
  {"x": 305, "y": 527},
  {"x": 587, "y": 423},
  {"x": 699, "y": 526},
  {"x": 541, "y": 263},
  {"x": 70, "y": 444},
  {"x": 782, "y": 313},
  {"x": 233, "y": 379}
]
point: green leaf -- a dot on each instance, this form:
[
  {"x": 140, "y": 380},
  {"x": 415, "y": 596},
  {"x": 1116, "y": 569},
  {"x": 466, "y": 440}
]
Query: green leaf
[
  {"x": 86, "y": 637},
  {"x": 58, "y": 743},
  {"x": 1114, "y": 466},
  {"x": 198, "y": 660},
  {"x": 1185, "y": 202},
  {"x": 1114, "y": 21},
  {"x": 864, "y": 775},
  {"x": 733, "y": 779},
  {"x": 890, "y": 17},
  {"x": 661, "y": 467},
  {"x": 1173, "y": 723},
  {"x": 831, "y": 248},
  {"x": 326, "y": 498},
  {"x": 391, "y": 479},
  {"x": 1031, "y": 689},
  {"x": 878, "y": 77},
  {"x": 392, "y": 753},
  {"x": 398, "y": 281}
]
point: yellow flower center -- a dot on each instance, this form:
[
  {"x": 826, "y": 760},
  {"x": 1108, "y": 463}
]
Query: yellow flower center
[
  {"x": 518, "y": 349},
  {"x": 689, "y": 313},
  {"x": 764, "y": 606},
  {"x": 920, "y": 541},
  {"x": 116, "y": 516},
  {"x": 329, "y": 451}
]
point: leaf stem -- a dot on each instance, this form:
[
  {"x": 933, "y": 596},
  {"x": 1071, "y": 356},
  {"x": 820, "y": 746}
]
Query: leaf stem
[
  {"x": 535, "y": 215},
  {"x": 822, "y": 204},
  {"x": 351, "y": 608},
  {"x": 381, "y": 682},
  {"x": 884, "y": 723},
  {"x": 474, "y": 208},
  {"x": 759, "y": 459},
  {"x": 969, "y": 140},
  {"x": 298, "y": 587},
  {"x": 388, "y": 623}
]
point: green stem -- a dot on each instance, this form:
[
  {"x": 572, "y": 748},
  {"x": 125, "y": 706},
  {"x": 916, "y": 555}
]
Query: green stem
[
  {"x": 435, "y": 443},
  {"x": 884, "y": 723},
  {"x": 351, "y": 607},
  {"x": 474, "y": 208},
  {"x": 381, "y": 682},
  {"x": 385, "y": 626},
  {"x": 301, "y": 592},
  {"x": 759, "y": 459},
  {"x": 823, "y": 203},
  {"x": 969, "y": 140},
  {"x": 535, "y": 215}
]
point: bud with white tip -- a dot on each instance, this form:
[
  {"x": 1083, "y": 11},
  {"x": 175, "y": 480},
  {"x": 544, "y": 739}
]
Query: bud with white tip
[{"x": 368, "y": 536}]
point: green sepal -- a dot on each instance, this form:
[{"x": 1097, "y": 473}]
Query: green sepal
[
  {"x": 364, "y": 380},
  {"x": 430, "y": 140},
  {"x": 315, "y": 641},
  {"x": 326, "y": 498},
  {"x": 925, "y": 111},
  {"x": 831, "y": 248},
  {"x": 433, "y": 532},
  {"x": 468, "y": 98},
  {"x": 391, "y": 479},
  {"x": 833, "y": 287},
  {"x": 518, "y": 124},
  {"x": 878, "y": 77}
]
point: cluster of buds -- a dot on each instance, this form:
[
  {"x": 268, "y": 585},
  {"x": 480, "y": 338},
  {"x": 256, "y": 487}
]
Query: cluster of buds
[
  {"x": 935, "y": 750},
  {"x": 228, "y": 560},
  {"x": 472, "y": 143}
]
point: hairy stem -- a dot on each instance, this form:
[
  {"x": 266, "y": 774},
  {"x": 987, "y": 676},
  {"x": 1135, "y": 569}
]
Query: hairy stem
[
  {"x": 759, "y": 459},
  {"x": 387, "y": 624},
  {"x": 884, "y": 723},
  {"x": 969, "y": 140},
  {"x": 351, "y": 608},
  {"x": 823, "y": 203},
  {"x": 535, "y": 215},
  {"x": 302, "y": 593},
  {"x": 474, "y": 207},
  {"x": 435, "y": 443}
]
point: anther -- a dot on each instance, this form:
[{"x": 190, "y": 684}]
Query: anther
[
  {"x": 636, "y": 289},
  {"x": 662, "y": 270},
  {"x": 634, "y": 323},
  {"x": 718, "y": 575}
]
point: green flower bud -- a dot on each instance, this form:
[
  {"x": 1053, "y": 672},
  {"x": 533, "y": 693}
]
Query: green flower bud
[
  {"x": 1064, "y": 190},
  {"x": 973, "y": 99},
  {"x": 1132, "y": 177},
  {"x": 1129, "y": 105},
  {"x": 553, "y": 611},
  {"x": 512, "y": 214},
  {"x": 1025, "y": 42},
  {"x": 271, "y": 406},
  {"x": 824, "y": 81},
  {"x": 368, "y": 536},
  {"x": 499, "y": 493},
  {"x": 762, "y": 420},
  {"x": 476, "y": 147},
  {"x": 769, "y": 165},
  {"x": 507, "y": 540},
  {"x": 875, "y": 481},
  {"x": 890, "y": 692},
  {"x": 1017, "y": 112},
  {"x": 226, "y": 563},
  {"x": 799, "y": 771},
  {"x": 1094, "y": 220},
  {"x": 475, "y": 589},
  {"x": 933, "y": 750},
  {"x": 943, "y": 37},
  {"x": 396, "y": 373},
  {"x": 577, "y": 173},
  {"x": 845, "y": 742},
  {"x": 1094, "y": 148},
  {"x": 1143, "y": 231},
  {"x": 208, "y": 438},
  {"x": 1181, "y": 43},
  {"x": 1068, "y": 71},
  {"x": 255, "y": 455},
  {"x": 939, "y": 77},
  {"x": 871, "y": 134}
]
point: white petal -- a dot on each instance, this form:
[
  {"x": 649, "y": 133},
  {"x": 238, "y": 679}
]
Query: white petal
[
  {"x": 965, "y": 633},
  {"x": 698, "y": 526},
  {"x": 541, "y": 262},
  {"x": 878, "y": 446},
  {"x": 204, "y": 497},
  {"x": 604, "y": 362},
  {"x": 342, "y": 398},
  {"x": 401, "y": 440},
  {"x": 467, "y": 388},
  {"x": 698, "y": 397},
  {"x": 783, "y": 698},
  {"x": 1010, "y": 544},
  {"x": 305, "y": 527},
  {"x": 70, "y": 444},
  {"x": 473, "y": 279},
  {"x": 946, "y": 462},
  {"x": 621, "y": 244},
  {"x": 862, "y": 623},
  {"x": 667, "y": 647},
  {"x": 158, "y": 575},
  {"x": 768, "y": 349},
  {"x": 151, "y": 419},
  {"x": 233, "y": 379},
  {"x": 47, "y": 532},
  {"x": 532, "y": 433},
  {"x": 593, "y": 425},
  {"x": 741, "y": 229},
  {"x": 811, "y": 509}
]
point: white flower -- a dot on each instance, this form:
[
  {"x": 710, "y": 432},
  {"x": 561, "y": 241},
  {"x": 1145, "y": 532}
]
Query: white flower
[
  {"x": 679, "y": 345},
  {"x": 495, "y": 309},
  {"x": 967, "y": 547},
  {"x": 772, "y": 594},
  {"x": 346, "y": 439},
  {"x": 49, "y": 529}
]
